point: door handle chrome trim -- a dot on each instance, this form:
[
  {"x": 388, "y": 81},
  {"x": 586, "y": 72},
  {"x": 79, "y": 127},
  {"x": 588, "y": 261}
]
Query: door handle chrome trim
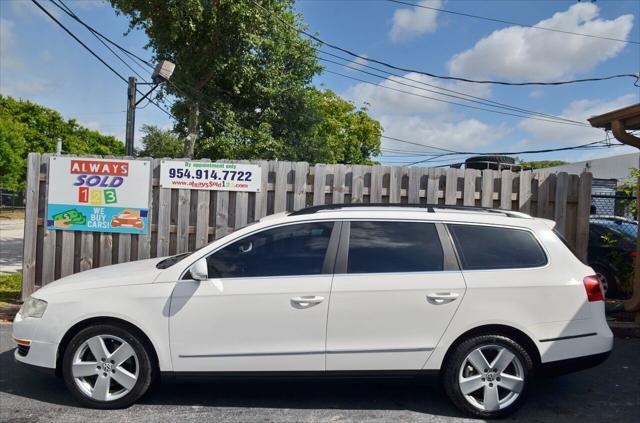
[
  {"x": 306, "y": 301},
  {"x": 442, "y": 297}
]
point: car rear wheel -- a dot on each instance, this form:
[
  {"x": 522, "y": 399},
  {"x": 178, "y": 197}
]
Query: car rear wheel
[
  {"x": 487, "y": 376},
  {"x": 106, "y": 367}
]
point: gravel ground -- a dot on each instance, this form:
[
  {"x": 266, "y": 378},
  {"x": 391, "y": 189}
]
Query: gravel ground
[{"x": 610, "y": 392}]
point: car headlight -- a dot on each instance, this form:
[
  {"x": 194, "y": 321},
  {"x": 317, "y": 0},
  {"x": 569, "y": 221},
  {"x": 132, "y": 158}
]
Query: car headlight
[{"x": 33, "y": 307}]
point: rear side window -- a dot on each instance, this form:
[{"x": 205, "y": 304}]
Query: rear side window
[
  {"x": 383, "y": 247},
  {"x": 487, "y": 247}
]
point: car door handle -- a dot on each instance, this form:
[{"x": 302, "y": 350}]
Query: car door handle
[
  {"x": 442, "y": 297},
  {"x": 306, "y": 301}
]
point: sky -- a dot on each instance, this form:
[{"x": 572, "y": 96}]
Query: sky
[{"x": 41, "y": 63}]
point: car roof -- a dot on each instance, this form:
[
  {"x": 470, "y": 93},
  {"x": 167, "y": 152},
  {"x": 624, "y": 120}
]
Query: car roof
[{"x": 409, "y": 212}]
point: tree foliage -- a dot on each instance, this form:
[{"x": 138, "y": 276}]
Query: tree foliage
[
  {"x": 28, "y": 127},
  {"x": 540, "y": 164},
  {"x": 243, "y": 78},
  {"x": 157, "y": 142}
]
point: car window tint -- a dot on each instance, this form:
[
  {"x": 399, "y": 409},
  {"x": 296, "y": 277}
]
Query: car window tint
[
  {"x": 283, "y": 251},
  {"x": 487, "y": 247},
  {"x": 381, "y": 247}
]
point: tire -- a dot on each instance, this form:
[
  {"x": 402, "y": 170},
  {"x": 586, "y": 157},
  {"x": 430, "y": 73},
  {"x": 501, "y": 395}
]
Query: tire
[
  {"x": 609, "y": 281},
  {"x": 474, "y": 401},
  {"x": 106, "y": 382}
]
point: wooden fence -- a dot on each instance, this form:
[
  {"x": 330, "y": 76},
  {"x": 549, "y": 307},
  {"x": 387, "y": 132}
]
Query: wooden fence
[{"x": 183, "y": 220}]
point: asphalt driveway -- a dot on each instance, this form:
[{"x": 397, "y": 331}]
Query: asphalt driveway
[{"x": 610, "y": 392}]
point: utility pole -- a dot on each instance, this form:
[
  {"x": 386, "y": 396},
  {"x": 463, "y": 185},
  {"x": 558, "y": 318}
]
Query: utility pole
[
  {"x": 131, "y": 116},
  {"x": 161, "y": 73}
]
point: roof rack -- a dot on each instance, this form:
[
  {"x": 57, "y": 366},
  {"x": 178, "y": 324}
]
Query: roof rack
[{"x": 429, "y": 208}]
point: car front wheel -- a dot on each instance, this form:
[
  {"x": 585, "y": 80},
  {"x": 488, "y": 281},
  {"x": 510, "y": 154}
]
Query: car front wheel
[
  {"x": 487, "y": 376},
  {"x": 105, "y": 366}
]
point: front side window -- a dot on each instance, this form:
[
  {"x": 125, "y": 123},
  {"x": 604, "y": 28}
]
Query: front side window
[
  {"x": 488, "y": 247},
  {"x": 282, "y": 251},
  {"x": 382, "y": 247}
]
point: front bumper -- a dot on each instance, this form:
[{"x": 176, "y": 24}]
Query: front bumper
[{"x": 40, "y": 352}]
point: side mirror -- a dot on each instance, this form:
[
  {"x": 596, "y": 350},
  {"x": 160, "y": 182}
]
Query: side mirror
[{"x": 199, "y": 270}]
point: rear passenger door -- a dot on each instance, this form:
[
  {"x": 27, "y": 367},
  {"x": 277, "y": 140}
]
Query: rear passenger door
[{"x": 396, "y": 288}]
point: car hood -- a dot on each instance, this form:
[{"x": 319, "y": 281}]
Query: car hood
[{"x": 132, "y": 273}]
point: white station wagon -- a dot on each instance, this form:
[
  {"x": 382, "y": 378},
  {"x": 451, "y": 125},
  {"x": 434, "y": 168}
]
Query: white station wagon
[{"x": 483, "y": 297}]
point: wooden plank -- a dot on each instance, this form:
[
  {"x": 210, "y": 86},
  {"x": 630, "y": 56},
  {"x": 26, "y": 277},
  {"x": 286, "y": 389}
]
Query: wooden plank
[
  {"x": 584, "y": 210},
  {"x": 86, "y": 251},
  {"x": 506, "y": 189},
  {"x": 357, "y": 183},
  {"x": 164, "y": 221},
  {"x": 469, "y": 187},
  {"x": 433, "y": 185},
  {"x": 375, "y": 190},
  {"x": 543, "y": 194},
  {"x": 202, "y": 218},
  {"x": 301, "y": 170},
  {"x": 182, "y": 236},
  {"x": 280, "y": 200},
  {"x": 30, "y": 225},
  {"x": 67, "y": 253},
  {"x": 562, "y": 192},
  {"x": 395, "y": 184},
  {"x": 106, "y": 249},
  {"x": 339, "y": 176},
  {"x": 319, "y": 184},
  {"x": 144, "y": 240},
  {"x": 49, "y": 236},
  {"x": 451, "y": 186},
  {"x": 413, "y": 189},
  {"x": 524, "y": 192},
  {"x": 261, "y": 196},
  {"x": 222, "y": 213},
  {"x": 487, "y": 188}
]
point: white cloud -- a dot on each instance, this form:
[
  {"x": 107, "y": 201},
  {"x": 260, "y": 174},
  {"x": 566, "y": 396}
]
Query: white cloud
[
  {"x": 536, "y": 94},
  {"x": 438, "y": 131},
  {"x": 518, "y": 53},
  {"x": 382, "y": 99},
  {"x": 357, "y": 63},
  {"x": 579, "y": 110},
  {"x": 8, "y": 56},
  {"x": 414, "y": 21}
]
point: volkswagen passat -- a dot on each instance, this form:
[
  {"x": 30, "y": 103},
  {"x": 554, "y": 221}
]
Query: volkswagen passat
[{"x": 485, "y": 298}]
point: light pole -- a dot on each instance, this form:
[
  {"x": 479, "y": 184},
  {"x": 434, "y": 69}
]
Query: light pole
[{"x": 161, "y": 73}]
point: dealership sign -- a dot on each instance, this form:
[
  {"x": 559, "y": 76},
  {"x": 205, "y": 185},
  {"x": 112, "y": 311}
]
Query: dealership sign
[
  {"x": 210, "y": 176},
  {"x": 101, "y": 195}
]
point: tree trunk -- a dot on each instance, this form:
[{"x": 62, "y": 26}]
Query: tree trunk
[{"x": 190, "y": 141}]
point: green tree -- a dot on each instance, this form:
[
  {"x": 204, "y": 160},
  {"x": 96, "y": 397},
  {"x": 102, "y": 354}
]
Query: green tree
[
  {"x": 12, "y": 148},
  {"x": 40, "y": 128},
  {"x": 540, "y": 164},
  {"x": 242, "y": 79},
  {"x": 159, "y": 143}
]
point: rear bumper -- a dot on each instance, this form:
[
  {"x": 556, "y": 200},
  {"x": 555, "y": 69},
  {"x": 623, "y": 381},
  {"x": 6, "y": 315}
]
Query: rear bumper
[{"x": 570, "y": 365}]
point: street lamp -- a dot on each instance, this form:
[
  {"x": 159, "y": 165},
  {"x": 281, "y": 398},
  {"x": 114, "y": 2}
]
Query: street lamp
[{"x": 161, "y": 73}]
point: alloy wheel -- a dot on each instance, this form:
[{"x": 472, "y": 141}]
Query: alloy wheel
[
  {"x": 491, "y": 377},
  {"x": 105, "y": 368}
]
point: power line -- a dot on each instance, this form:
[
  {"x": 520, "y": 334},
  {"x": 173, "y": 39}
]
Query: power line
[
  {"x": 453, "y": 102},
  {"x": 433, "y": 75},
  {"x": 468, "y": 15},
  {"x": 481, "y": 100},
  {"x": 93, "y": 53}
]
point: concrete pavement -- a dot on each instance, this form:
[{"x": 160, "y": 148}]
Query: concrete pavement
[{"x": 11, "y": 234}]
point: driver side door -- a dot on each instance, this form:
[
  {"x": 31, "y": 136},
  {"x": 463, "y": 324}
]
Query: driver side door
[{"x": 264, "y": 307}]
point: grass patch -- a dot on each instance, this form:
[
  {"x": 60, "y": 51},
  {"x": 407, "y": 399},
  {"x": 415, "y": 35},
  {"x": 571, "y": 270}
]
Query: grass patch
[
  {"x": 13, "y": 214},
  {"x": 10, "y": 288}
]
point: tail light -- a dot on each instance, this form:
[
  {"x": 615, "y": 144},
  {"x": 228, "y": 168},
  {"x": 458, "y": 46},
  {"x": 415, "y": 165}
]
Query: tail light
[
  {"x": 594, "y": 288},
  {"x": 633, "y": 254}
]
